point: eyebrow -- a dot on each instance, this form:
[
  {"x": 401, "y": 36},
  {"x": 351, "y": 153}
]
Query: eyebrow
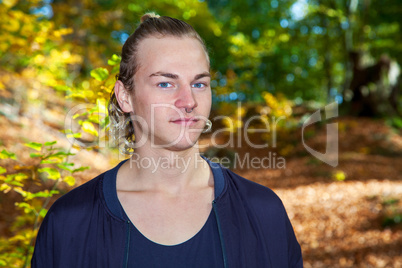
[
  {"x": 175, "y": 76},
  {"x": 205, "y": 74},
  {"x": 168, "y": 75}
]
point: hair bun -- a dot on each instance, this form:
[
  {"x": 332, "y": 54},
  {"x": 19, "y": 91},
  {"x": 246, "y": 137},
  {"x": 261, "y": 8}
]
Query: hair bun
[{"x": 148, "y": 16}]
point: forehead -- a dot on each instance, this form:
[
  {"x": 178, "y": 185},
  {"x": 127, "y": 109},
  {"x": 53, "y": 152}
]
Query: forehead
[{"x": 175, "y": 54}]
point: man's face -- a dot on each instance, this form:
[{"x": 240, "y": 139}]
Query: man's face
[{"x": 173, "y": 76}]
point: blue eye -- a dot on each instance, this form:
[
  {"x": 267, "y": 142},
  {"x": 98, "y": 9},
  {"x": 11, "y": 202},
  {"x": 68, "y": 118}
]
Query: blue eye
[
  {"x": 164, "y": 85},
  {"x": 199, "y": 85}
]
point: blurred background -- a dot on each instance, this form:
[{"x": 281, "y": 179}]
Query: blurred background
[{"x": 280, "y": 59}]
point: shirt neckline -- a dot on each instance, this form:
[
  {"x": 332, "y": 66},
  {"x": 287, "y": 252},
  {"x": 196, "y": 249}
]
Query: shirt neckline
[
  {"x": 156, "y": 244},
  {"x": 110, "y": 192}
]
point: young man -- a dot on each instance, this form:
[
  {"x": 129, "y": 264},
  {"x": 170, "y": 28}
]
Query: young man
[{"x": 184, "y": 212}]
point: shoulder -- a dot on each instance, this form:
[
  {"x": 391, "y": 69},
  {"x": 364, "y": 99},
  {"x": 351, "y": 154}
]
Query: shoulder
[
  {"x": 257, "y": 197},
  {"x": 250, "y": 189},
  {"x": 78, "y": 200},
  {"x": 265, "y": 209},
  {"x": 68, "y": 226},
  {"x": 72, "y": 213}
]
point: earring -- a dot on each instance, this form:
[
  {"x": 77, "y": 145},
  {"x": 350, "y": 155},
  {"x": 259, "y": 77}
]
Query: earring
[{"x": 209, "y": 126}]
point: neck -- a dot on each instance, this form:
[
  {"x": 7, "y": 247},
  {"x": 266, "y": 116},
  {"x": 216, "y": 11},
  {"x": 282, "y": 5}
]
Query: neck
[{"x": 160, "y": 169}]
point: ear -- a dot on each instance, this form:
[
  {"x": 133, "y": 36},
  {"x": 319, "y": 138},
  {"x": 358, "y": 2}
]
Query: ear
[{"x": 123, "y": 97}]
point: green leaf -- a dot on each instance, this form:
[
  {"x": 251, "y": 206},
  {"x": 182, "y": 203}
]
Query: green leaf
[
  {"x": 79, "y": 115},
  {"x": 50, "y": 143},
  {"x": 33, "y": 155},
  {"x": 62, "y": 88},
  {"x": 70, "y": 134},
  {"x": 115, "y": 69},
  {"x": 2, "y": 170},
  {"x": 6, "y": 155},
  {"x": 80, "y": 169},
  {"x": 27, "y": 207},
  {"x": 114, "y": 60},
  {"x": 104, "y": 122},
  {"x": 43, "y": 212},
  {"x": 43, "y": 194},
  {"x": 70, "y": 180},
  {"x": 53, "y": 173},
  {"x": 16, "y": 177},
  {"x": 52, "y": 160},
  {"x": 66, "y": 166},
  {"x": 34, "y": 145},
  {"x": 16, "y": 183},
  {"x": 100, "y": 74},
  {"x": 61, "y": 154},
  {"x": 75, "y": 135}
]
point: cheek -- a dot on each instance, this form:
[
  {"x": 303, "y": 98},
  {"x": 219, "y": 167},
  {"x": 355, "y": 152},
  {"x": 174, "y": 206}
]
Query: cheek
[
  {"x": 141, "y": 104},
  {"x": 205, "y": 101}
]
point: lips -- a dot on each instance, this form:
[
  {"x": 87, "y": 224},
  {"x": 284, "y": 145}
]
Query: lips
[{"x": 185, "y": 121}]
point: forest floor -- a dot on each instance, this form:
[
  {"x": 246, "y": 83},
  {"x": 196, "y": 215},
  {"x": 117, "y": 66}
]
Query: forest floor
[
  {"x": 350, "y": 215},
  {"x": 343, "y": 216}
]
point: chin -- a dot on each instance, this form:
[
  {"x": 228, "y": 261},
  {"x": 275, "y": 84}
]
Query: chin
[
  {"x": 179, "y": 148},
  {"x": 178, "y": 145}
]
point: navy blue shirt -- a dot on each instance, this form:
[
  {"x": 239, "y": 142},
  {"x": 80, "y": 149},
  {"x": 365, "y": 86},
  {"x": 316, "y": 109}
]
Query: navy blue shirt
[
  {"x": 86, "y": 228},
  {"x": 202, "y": 250}
]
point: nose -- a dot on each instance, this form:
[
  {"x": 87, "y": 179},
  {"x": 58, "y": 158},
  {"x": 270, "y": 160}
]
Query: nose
[{"x": 186, "y": 99}]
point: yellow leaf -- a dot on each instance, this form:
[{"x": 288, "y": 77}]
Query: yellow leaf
[
  {"x": 17, "y": 238},
  {"x": 63, "y": 31},
  {"x": 10, "y": 3},
  {"x": 89, "y": 128},
  {"x": 102, "y": 106},
  {"x": 18, "y": 167},
  {"x": 339, "y": 175},
  {"x": 5, "y": 188},
  {"x": 12, "y": 26},
  {"x": 20, "y": 191},
  {"x": 70, "y": 180},
  {"x": 53, "y": 173}
]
